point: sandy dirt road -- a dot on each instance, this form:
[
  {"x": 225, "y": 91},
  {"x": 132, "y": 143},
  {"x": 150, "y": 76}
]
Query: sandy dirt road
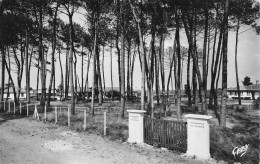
[{"x": 28, "y": 141}]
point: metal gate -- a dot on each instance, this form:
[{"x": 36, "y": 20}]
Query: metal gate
[{"x": 166, "y": 133}]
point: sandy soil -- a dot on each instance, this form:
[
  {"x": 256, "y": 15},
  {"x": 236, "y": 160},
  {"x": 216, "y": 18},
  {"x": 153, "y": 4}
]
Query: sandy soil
[{"x": 24, "y": 140}]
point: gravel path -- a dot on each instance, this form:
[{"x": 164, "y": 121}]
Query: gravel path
[{"x": 27, "y": 141}]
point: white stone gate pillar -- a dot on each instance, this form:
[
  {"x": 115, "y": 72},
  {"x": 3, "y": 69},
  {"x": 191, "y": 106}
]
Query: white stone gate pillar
[
  {"x": 198, "y": 135},
  {"x": 136, "y": 126}
]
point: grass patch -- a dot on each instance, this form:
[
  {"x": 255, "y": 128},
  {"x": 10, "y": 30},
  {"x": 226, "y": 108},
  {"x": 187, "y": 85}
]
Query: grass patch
[{"x": 117, "y": 127}]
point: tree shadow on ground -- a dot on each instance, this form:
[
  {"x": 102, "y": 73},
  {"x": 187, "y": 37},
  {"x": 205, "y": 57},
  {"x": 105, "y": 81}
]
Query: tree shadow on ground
[
  {"x": 9, "y": 116},
  {"x": 2, "y": 121}
]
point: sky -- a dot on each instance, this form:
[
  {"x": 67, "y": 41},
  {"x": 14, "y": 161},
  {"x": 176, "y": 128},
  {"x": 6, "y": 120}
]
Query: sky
[{"x": 248, "y": 60}]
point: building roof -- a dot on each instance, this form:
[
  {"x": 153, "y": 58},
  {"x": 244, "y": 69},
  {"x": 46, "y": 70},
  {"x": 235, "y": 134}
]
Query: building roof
[{"x": 253, "y": 87}]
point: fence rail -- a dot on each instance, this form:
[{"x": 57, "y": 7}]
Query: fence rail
[
  {"x": 165, "y": 133},
  {"x": 105, "y": 121}
]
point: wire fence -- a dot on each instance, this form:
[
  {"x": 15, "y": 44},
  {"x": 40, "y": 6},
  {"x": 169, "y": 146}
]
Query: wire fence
[{"x": 106, "y": 121}]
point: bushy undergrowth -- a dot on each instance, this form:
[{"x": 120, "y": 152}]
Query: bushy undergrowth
[
  {"x": 237, "y": 108},
  {"x": 256, "y": 104},
  {"x": 224, "y": 140}
]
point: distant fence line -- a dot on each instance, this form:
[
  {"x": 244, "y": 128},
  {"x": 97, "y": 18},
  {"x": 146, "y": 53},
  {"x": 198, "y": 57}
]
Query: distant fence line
[{"x": 56, "y": 113}]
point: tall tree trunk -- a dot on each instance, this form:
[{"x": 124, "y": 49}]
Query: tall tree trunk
[
  {"x": 215, "y": 68},
  {"x": 98, "y": 72},
  {"x": 151, "y": 71},
  {"x": 204, "y": 61},
  {"x": 188, "y": 74},
  {"x": 132, "y": 73},
  {"x": 20, "y": 72},
  {"x": 86, "y": 89},
  {"x": 236, "y": 67},
  {"x": 195, "y": 77},
  {"x": 67, "y": 72},
  {"x": 111, "y": 70},
  {"x": 157, "y": 83},
  {"x": 54, "y": 81},
  {"x": 82, "y": 73},
  {"x": 38, "y": 74},
  {"x": 71, "y": 66},
  {"x": 195, "y": 88},
  {"x": 177, "y": 63},
  {"x": 94, "y": 68},
  {"x": 18, "y": 64},
  {"x": 11, "y": 79},
  {"x": 128, "y": 88},
  {"x": 27, "y": 68},
  {"x": 75, "y": 77},
  {"x": 200, "y": 80},
  {"x": 161, "y": 58},
  {"x": 61, "y": 73},
  {"x": 224, "y": 68},
  {"x": 215, "y": 96},
  {"x": 117, "y": 43},
  {"x": 2, "y": 53},
  {"x": 122, "y": 64},
  {"x": 103, "y": 71},
  {"x": 217, "y": 80},
  {"x": 209, "y": 42},
  {"x": 42, "y": 59},
  {"x": 212, "y": 66},
  {"x": 142, "y": 51},
  {"x": 52, "y": 55}
]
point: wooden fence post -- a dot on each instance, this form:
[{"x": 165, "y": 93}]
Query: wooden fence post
[
  {"x": 14, "y": 107},
  {"x": 9, "y": 107},
  {"x": 20, "y": 108},
  {"x": 85, "y": 120},
  {"x": 27, "y": 110},
  {"x": 36, "y": 115},
  {"x": 68, "y": 117},
  {"x": 56, "y": 115},
  {"x": 105, "y": 123},
  {"x": 45, "y": 115}
]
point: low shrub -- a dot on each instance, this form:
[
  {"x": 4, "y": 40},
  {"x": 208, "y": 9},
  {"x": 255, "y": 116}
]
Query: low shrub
[
  {"x": 256, "y": 104},
  {"x": 117, "y": 132}
]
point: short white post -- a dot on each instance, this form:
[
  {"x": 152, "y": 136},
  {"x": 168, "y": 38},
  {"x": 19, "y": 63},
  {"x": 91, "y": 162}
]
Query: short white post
[
  {"x": 56, "y": 115},
  {"x": 4, "y": 106},
  {"x": 198, "y": 135},
  {"x": 136, "y": 126},
  {"x": 85, "y": 120},
  {"x": 68, "y": 117},
  {"x": 35, "y": 114},
  {"x": 27, "y": 110},
  {"x": 14, "y": 107},
  {"x": 105, "y": 123},
  {"x": 20, "y": 108},
  {"x": 45, "y": 113},
  {"x": 9, "y": 107}
]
